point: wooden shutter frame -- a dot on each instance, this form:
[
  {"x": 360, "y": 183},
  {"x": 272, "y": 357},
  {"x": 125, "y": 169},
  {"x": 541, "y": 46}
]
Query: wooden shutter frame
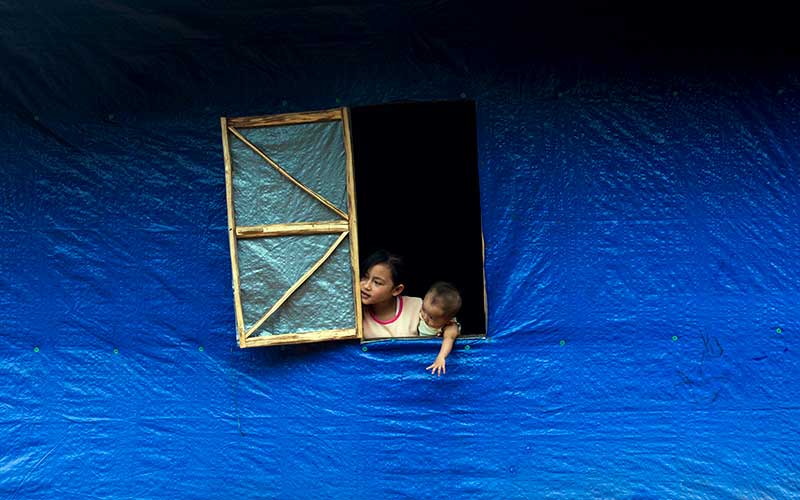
[{"x": 347, "y": 226}]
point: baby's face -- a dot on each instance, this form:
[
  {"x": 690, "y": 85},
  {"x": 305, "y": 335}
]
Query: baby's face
[{"x": 432, "y": 314}]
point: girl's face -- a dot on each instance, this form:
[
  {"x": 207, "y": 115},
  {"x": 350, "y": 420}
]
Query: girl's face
[{"x": 377, "y": 285}]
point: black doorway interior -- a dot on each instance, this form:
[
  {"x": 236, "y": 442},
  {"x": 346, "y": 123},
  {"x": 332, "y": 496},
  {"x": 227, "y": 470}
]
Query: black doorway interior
[{"x": 417, "y": 195}]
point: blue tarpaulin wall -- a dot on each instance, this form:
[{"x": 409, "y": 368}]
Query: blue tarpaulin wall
[{"x": 641, "y": 219}]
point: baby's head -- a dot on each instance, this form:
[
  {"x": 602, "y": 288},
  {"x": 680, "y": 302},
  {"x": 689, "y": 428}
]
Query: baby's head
[{"x": 440, "y": 305}]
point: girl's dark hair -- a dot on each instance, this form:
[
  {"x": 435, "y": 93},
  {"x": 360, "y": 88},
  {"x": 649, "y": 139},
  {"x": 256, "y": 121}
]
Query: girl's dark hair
[{"x": 395, "y": 263}]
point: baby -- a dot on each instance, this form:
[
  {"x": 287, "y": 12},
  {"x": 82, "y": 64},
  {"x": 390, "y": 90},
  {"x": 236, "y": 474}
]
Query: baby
[{"x": 438, "y": 318}]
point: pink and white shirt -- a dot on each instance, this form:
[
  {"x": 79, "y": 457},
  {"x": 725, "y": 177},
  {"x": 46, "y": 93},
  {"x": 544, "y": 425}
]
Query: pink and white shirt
[{"x": 404, "y": 323}]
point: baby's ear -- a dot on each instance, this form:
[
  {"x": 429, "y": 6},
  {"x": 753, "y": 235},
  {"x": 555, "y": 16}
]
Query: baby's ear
[{"x": 398, "y": 289}]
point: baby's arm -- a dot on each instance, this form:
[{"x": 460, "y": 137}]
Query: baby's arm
[{"x": 449, "y": 338}]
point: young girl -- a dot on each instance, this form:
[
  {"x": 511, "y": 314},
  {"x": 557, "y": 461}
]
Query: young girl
[{"x": 387, "y": 313}]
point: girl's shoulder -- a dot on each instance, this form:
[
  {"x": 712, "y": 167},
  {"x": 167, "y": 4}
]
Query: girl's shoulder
[
  {"x": 411, "y": 305},
  {"x": 411, "y": 300}
]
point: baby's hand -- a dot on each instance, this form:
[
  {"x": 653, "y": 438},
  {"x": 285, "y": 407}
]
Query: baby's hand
[{"x": 438, "y": 367}]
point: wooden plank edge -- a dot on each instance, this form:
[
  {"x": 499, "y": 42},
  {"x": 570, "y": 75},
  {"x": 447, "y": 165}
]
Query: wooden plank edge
[
  {"x": 327, "y": 115},
  {"x": 237, "y": 299},
  {"x": 353, "y": 220},
  {"x": 292, "y": 228},
  {"x": 300, "y": 338}
]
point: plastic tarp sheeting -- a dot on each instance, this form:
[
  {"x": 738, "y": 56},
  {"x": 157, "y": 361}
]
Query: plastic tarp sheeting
[
  {"x": 280, "y": 262},
  {"x": 641, "y": 219},
  {"x": 314, "y": 155}
]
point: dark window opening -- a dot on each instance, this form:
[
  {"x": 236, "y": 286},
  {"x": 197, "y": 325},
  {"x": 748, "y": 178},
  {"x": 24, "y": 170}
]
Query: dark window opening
[{"x": 418, "y": 195}]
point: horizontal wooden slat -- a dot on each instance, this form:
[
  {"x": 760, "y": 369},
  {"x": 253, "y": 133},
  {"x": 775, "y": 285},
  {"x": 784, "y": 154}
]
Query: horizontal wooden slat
[
  {"x": 328, "y": 115},
  {"x": 300, "y": 338},
  {"x": 292, "y": 228}
]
